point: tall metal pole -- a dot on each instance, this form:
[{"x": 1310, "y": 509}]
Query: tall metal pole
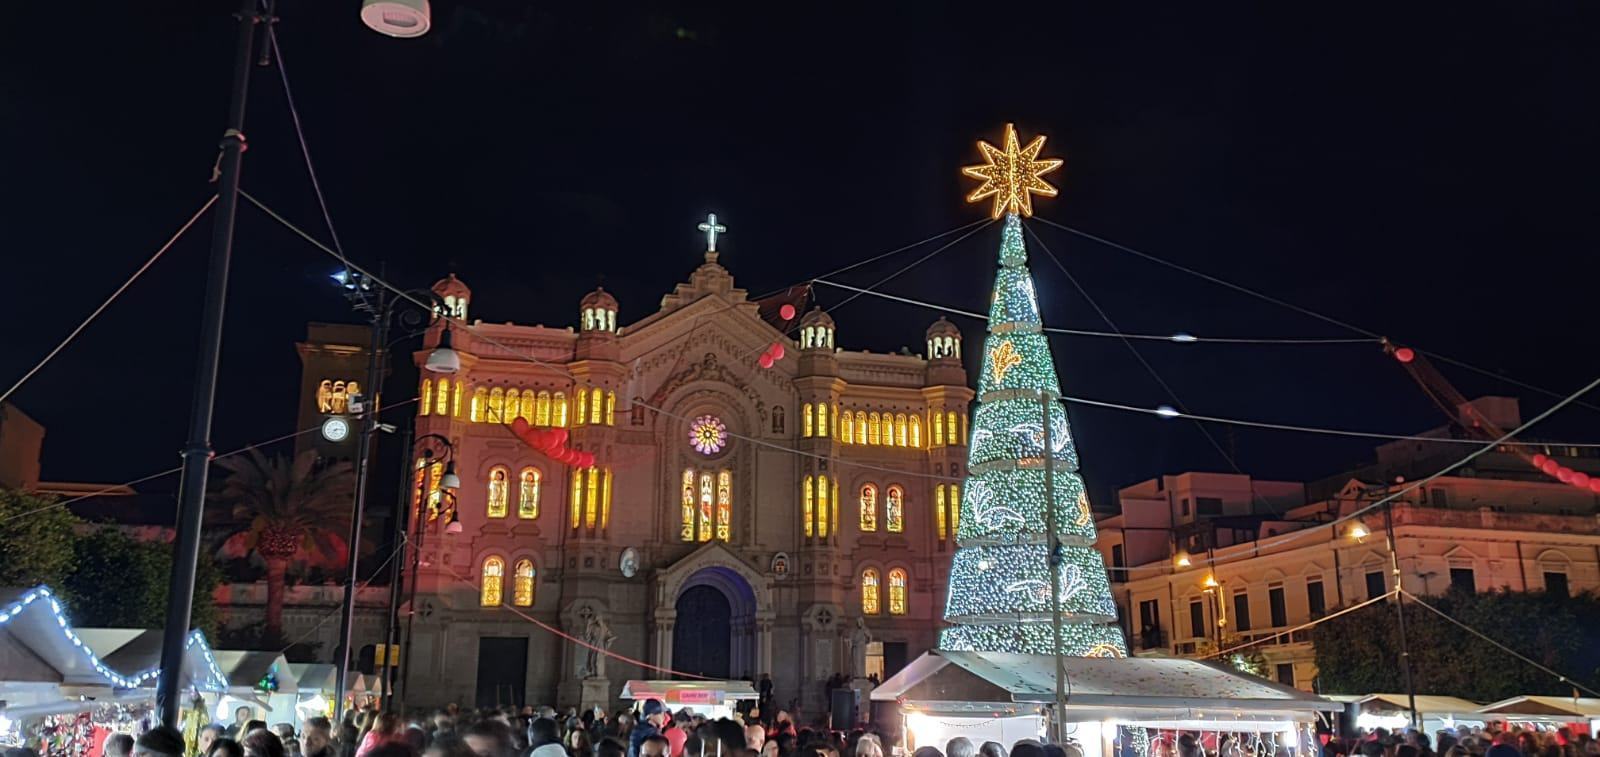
[
  {"x": 197, "y": 450},
  {"x": 369, "y": 428},
  {"x": 402, "y": 508},
  {"x": 1058, "y": 733},
  {"x": 1400, "y": 613}
]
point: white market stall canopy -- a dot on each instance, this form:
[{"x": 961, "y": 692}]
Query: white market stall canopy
[
  {"x": 39, "y": 645},
  {"x": 314, "y": 676},
  {"x": 1427, "y": 704},
  {"x": 246, "y": 668},
  {"x": 1550, "y": 709},
  {"x": 1148, "y": 690}
]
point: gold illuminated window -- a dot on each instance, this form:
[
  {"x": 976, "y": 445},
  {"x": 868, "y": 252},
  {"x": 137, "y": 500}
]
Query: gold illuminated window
[
  {"x": 900, "y": 429},
  {"x": 724, "y": 504},
  {"x": 442, "y": 407},
  {"x": 861, "y": 427},
  {"x": 577, "y": 499},
  {"x": 541, "y": 413},
  {"x": 872, "y": 429},
  {"x": 492, "y": 593},
  {"x": 805, "y": 419},
  {"x": 611, "y": 408},
  {"x": 954, "y": 429},
  {"x": 528, "y": 493},
  {"x": 591, "y": 513},
  {"x": 869, "y": 591},
  {"x": 822, "y": 419},
  {"x": 869, "y": 508},
  {"x": 528, "y": 405},
  {"x": 455, "y": 405},
  {"x": 687, "y": 532},
  {"x": 916, "y": 431},
  {"x": 897, "y": 592},
  {"x": 426, "y": 403},
  {"x": 938, "y": 429},
  {"x": 480, "y": 405},
  {"x": 522, "y": 584},
  {"x": 708, "y": 503},
  {"x": 513, "y": 406},
  {"x": 894, "y": 509},
  {"x": 497, "y": 406},
  {"x": 605, "y": 500},
  {"x": 581, "y": 416},
  {"x": 497, "y": 492},
  {"x": 847, "y": 429},
  {"x": 940, "y": 525},
  {"x": 807, "y": 512},
  {"x": 596, "y": 407},
  {"x": 822, "y": 506},
  {"x": 955, "y": 507},
  {"x": 558, "y": 408}
]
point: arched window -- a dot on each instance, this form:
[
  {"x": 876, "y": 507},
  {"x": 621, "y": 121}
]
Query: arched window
[
  {"x": 940, "y": 526},
  {"x": 528, "y": 493},
  {"x": 894, "y": 509},
  {"x": 591, "y": 513},
  {"x": 869, "y": 508},
  {"x": 605, "y": 500},
  {"x": 497, "y": 492},
  {"x": 807, "y": 513},
  {"x": 955, "y": 507},
  {"x": 835, "y": 494},
  {"x": 938, "y": 429},
  {"x": 541, "y": 413},
  {"x": 577, "y": 499},
  {"x": 869, "y": 591},
  {"x": 963, "y": 426},
  {"x": 847, "y": 428},
  {"x": 442, "y": 407},
  {"x": 558, "y": 410},
  {"x": 687, "y": 532},
  {"x": 480, "y": 405},
  {"x": 522, "y": 584},
  {"x": 822, "y": 506},
  {"x": 455, "y": 407},
  {"x": 492, "y": 594},
  {"x": 900, "y": 429},
  {"x": 611, "y": 408},
  {"x": 596, "y": 409},
  {"x": 513, "y": 407},
  {"x": 497, "y": 406},
  {"x": 897, "y": 592},
  {"x": 708, "y": 501},
  {"x": 777, "y": 420},
  {"x": 581, "y": 406},
  {"x": 528, "y": 405},
  {"x": 861, "y": 427},
  {"x": 426, "y": 404},
  {"x": 954, "y": 430},
  {"x": 822, "y": 419},
  {"x": 724, "y": 504},
  {"x": 916, "y": 431},
  {"x": 805, "y": 419},
  {"x": 872, "y": 429}
]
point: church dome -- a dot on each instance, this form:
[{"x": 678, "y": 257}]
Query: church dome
[
  {"x": 455, "y": 294},
  {"x": 598, "y": 311},
  {"x": 943, "y": 327},
  {"x": 817, "y": 317},
  {"x": 944, "y": 340},
  {"x": 599, "y": 298}
]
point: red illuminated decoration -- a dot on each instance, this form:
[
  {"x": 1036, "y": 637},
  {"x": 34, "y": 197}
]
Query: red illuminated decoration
[
  {"x": 1405, "y": 354},
  {"x": 765, "y": 361},
  {"x": 776, "y": 350},
  {"x": 552, "y": 442},
  {"x": 786, "y": 312}
]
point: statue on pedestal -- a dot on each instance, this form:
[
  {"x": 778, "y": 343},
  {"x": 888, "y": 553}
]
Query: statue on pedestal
[
  {"x": 860, "y": 637},
  {"x": 597, "y": 634}
]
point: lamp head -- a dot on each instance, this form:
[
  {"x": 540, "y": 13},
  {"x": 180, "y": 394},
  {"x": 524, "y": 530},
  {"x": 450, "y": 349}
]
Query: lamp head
[{"x": 444, "y": 358}]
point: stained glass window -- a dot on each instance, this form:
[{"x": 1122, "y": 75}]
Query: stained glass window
[
  {"x": 528, "y": 493},
  {"x": 939, "y": 513},
  {"x": 822, "y": 419},
  {"x": 954, "y": 430},
  {"x": 497, "y": 492},
  {"x": 707, "y": 504},
  {"x": 861, "y": 427},
  {"x": 480, "y": 402},
  {"x": 724, "y": 504},
  {"x": 577, "y": 498},
  {"x": 955, "y": 507},
  {"x": 916, "y": 431},
  {"x": 596, "y": 410},
  {"x": 522, "y": 584},
  {"x": 591, "y": 513},
  {"x": 541, "y": 414},
  {"x": 897, "y": 592},
  {"x": 900, "y": 429},
  {"x": 611, "y": 408},
  {"x": 426, "y": 404},
  {"x": 869, "y": 508},
  {"x": 708, "y": 434},
  {"x": 822, "y": 505},
  {"x": 938, "y": 429},
  {"x": 805, "y": 419},
  {"x": 687, "y": 532},
  {"x": 847, "y": 429},
  {"x": 442, "y": 407},
  {"x": 455, "y": 407},
  {"x": 894, "y": 509},
  {"x": 580, "y": 401},
  {"x": 605, "y": 501},
  {"x": 869, "y": 591},
  {"x": 494, "y": 579},
  {"x": 558, "y": 410},
  {"x": 806, "y": 508},
  {"x": 872, "y": 429}
]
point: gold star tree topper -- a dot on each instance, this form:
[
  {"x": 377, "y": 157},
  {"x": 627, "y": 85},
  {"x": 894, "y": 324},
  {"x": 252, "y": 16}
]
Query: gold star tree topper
[{"x": 1011, "y": 175}]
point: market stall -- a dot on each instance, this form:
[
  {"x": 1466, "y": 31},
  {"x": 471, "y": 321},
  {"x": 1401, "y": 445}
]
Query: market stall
[
  {"x": 1113, "y": 705},
  {"x": 261, "y": 681},
  {"x": 714, "y": 699},
  {"x": 1393, "y": 711},
  {"x": 1544, "y": 712},
  {"x": 63, "y": 689},
  {"x": 317, "y": 685}
]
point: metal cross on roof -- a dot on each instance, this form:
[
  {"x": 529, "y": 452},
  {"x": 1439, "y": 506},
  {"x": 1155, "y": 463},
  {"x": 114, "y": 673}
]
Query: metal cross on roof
[{"x": 712, "y": 229}]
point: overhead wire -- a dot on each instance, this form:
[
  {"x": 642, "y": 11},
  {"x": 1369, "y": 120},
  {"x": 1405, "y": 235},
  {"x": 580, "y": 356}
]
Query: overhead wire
[
  {"x": 114, "y": 295},
  {"x": 1508, "y": 650},
  {"x": 1142, "y": 361},
  {"x": 1302, "y": 626},
  {"x": 1178, "y": 337},
  {"x": 1299, "y": 309},
  {"x": 509, "y": 352}
]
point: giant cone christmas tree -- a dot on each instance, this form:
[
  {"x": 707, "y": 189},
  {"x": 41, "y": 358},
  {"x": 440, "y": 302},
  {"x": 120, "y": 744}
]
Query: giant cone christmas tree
[{"x": 999, "y": 592}]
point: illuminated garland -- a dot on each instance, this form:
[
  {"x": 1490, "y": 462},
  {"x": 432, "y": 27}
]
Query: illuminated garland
[
  {"x": 999, "y": 596},
  {"x": 24, "y": 603}
]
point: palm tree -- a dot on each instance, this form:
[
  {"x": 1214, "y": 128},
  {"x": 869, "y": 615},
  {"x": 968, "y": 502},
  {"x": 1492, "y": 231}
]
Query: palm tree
[{"x": 287, "y": 512}]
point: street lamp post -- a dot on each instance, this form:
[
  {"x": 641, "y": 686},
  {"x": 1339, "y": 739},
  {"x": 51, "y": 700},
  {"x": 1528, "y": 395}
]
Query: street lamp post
[
  {"x": 1400, "y": 613},
  {"x": 381, "y": 306},
  {"x": 448, "y": 483},
  {"x": 197, "y": 451}
]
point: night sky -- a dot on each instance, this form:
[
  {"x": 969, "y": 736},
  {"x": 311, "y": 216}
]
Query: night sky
[{"x": 1425, "y": 170}]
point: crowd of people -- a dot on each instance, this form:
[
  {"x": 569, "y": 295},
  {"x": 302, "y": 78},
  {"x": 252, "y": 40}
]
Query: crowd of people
[{"x": 1465, "y": 742}]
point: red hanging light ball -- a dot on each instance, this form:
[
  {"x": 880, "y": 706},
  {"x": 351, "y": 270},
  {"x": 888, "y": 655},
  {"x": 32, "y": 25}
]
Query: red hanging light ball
[
  {"x": 765, "y": 361},
  {"x": 1538, "y": 461},
  {"x": 1564, "y": 475},
  {"x": 1580, "y": 480},
  {"x": 776, "y": 350},
  {"x": 1550, "y": 467},
  {"x": 1405, "y": 354},
  {"x": 1594, "y": 485},
  {"x": 519, "y": 426},
  {"x": 786, "y": 312},
  {"x": 559, "y": 435}
]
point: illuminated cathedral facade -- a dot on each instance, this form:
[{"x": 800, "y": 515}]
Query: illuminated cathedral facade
[{"x": 739, "y": 520}]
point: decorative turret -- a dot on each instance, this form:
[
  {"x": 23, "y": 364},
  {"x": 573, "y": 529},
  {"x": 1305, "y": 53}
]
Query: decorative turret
[
  {"x": 598, "y": 310},
  {"x": 455, "y": 294},
  {"x": 816, "y": 331},
  {"x": 944, "y": 355}
]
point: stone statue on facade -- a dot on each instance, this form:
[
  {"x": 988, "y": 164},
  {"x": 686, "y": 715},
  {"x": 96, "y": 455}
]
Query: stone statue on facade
[
  {"x": 597, "y": 634},
  {"x": 860, "y": 637}
]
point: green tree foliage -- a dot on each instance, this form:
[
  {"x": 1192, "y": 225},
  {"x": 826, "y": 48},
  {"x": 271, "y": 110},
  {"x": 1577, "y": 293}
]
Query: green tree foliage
[
  {"x": 35, "y": 540},
  {"x": 1358, "y": 653},
  {"x": 121, "y": 582}
]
